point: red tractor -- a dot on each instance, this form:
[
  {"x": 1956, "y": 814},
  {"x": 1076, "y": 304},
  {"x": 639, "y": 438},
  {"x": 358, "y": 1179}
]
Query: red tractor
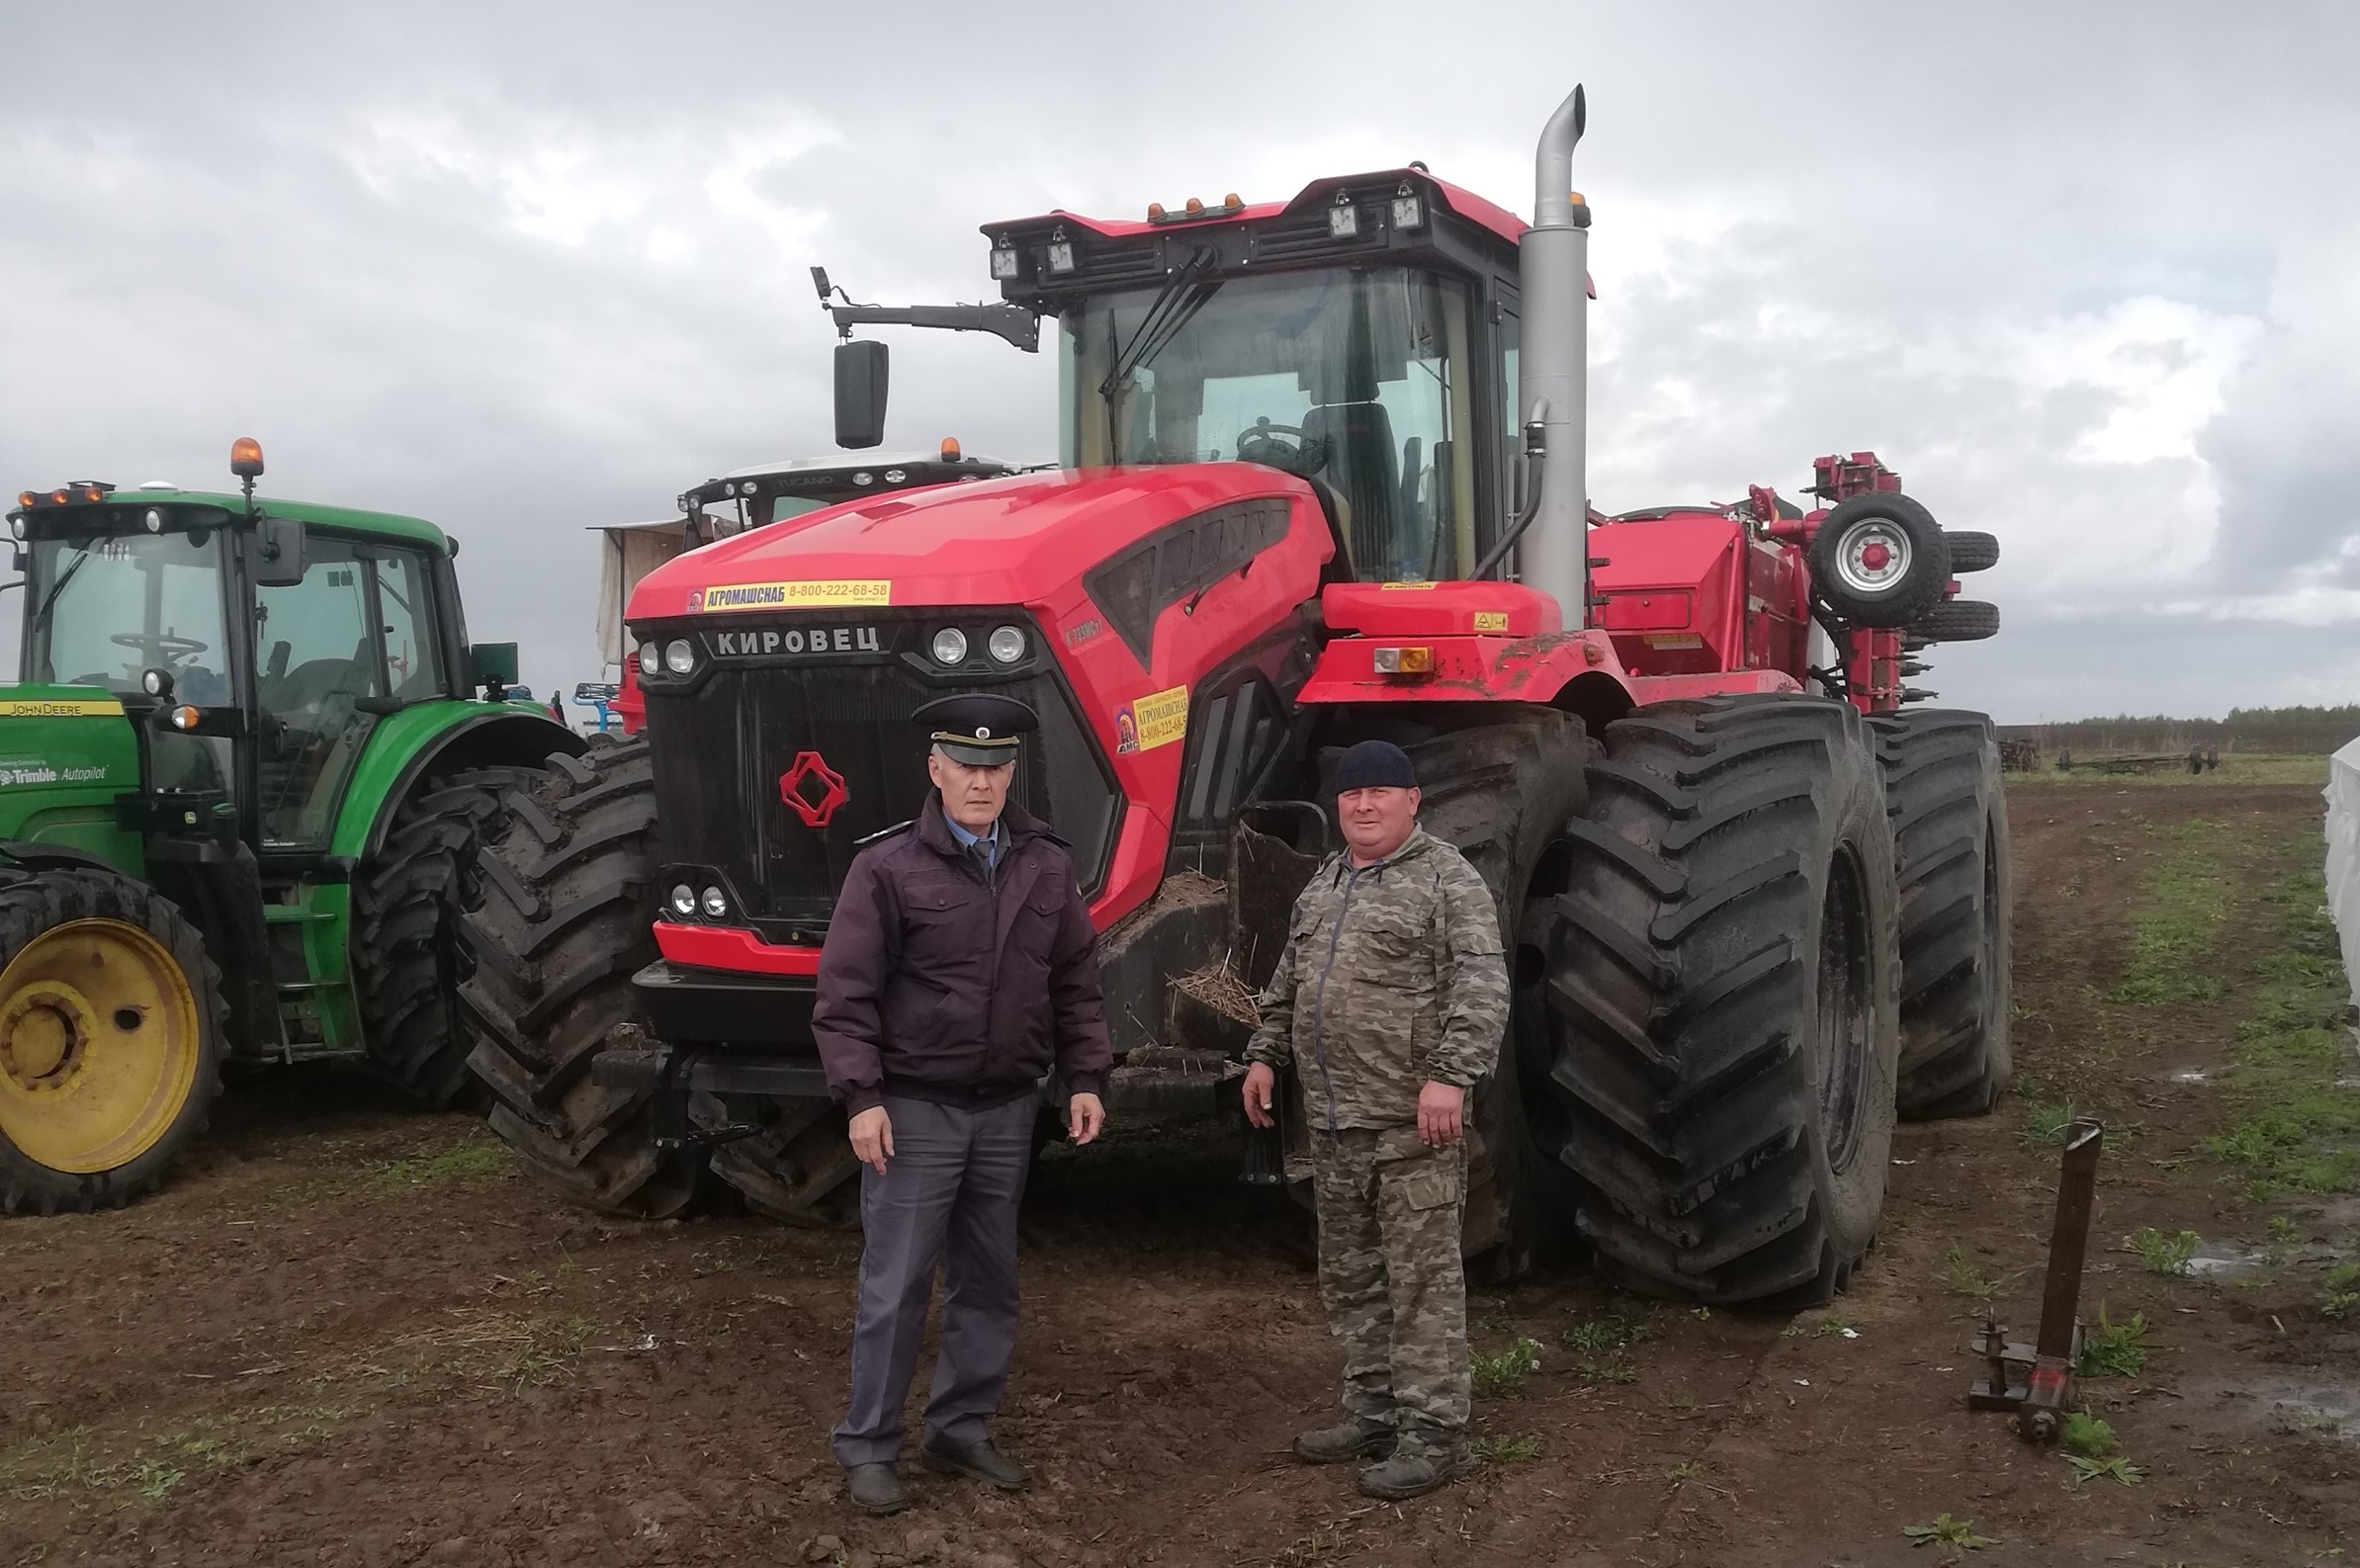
[{"x": 1322, "y": 479}]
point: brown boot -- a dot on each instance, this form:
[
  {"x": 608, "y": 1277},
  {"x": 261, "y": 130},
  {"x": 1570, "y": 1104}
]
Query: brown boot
[
  {"x": 1354, "y": 1438},
  {"x": 1408, "y": 1475}
]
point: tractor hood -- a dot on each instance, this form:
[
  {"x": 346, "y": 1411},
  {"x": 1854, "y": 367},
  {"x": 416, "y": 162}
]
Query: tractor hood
[{"x": 1009, "y": 540}]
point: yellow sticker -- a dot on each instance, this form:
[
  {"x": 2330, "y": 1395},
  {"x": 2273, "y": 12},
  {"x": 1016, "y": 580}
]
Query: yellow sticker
[
  {"x": 1152, "y": 721},
  {"x": 1390, "y": 587},
  {"x": 1673, "y": 639},
  {"x": 61, "y": 708},
  {"x": 786, "y": 596},
  {"x": 1491, "y": 620}
]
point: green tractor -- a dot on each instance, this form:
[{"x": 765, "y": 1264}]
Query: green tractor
[{"x": 242, "y": 780}]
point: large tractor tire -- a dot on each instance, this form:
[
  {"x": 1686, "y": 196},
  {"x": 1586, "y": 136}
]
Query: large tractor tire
[
  {"x": 1949, "y": 817},
  {"x": 1503, "y": 794},
  {"x": 798, "y": 1167},
  {"x": 407, "y": 953},
  {"x": 569, "y": 903},
  {"x": 111, "y": 1038},
  {"x": 1722, "y": 991}
]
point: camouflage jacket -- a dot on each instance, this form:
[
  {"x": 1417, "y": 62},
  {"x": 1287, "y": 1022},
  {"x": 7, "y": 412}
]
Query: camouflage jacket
[{"x": 1393, "y": 975}]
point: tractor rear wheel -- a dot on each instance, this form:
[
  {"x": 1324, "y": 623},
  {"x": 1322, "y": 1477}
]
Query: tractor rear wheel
[
  {"x": 1950, "y": 819},
  {"x": 407, "y": 956},
  {"x": 566, "y": 917},
  {"x": 1722, "y": 990},
  {"x": 110, "y": 1030},
  {"x": 1502, "y": 793}
]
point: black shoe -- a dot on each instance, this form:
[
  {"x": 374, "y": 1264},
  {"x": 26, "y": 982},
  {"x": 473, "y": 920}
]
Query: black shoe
[
  {"x": 1352, "y": 1439},
  {"x": 978, "y": 1459},
  {"x": 875, "y": 1489},
  {"x": 1408, "y": 1475}
]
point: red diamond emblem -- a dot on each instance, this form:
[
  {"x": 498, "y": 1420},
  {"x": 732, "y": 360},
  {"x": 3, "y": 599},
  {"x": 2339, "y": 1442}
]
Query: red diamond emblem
[{"x": 814, "y": 811}]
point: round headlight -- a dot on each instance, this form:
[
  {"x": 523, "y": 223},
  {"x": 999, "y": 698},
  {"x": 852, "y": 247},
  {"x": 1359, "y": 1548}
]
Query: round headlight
[
  {"x": 153, "y": 682},
  {"x": 1006, "y": 643},
  {"x": 950, "y": 645},
  {"x": 16, "y": 526},
  {"x": 154, "y": 520},
  {"x": 715, "y": 904},
  {"x": 679, "y": 656},
  {"x": 684, "y": 901},
  {"x": 650, "y": 658}
]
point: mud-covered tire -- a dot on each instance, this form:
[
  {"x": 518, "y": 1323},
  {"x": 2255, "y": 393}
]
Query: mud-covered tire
[
  {"x": 407, "y": 955},
  {"x": 1949, "y": 818},
  {"x": 1878, "y": 560},
  {"x": 1502, "y": 793},
  {"x": 566, "y": 917},
  {"x": 799, "y": 1168},
  {"x": 1957, "y": 621},
  {"x": 35, "y": 901},
  {"x": 1972, "y": 549},
  {"x": 1722, "y": 990}
]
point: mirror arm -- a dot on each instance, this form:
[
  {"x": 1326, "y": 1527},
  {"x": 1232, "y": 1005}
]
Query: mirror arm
[{"x": 1013, "y": 324}]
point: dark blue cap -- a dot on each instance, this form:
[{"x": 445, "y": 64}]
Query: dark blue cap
[{"x": 1374, "y": 765}]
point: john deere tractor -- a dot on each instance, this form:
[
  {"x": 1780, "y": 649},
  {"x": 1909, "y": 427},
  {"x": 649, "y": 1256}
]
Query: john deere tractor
[{"x": 241, "y": 784}]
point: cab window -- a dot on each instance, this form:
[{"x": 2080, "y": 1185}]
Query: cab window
[
  {"x": 412, "y": 644},
  {"x": 322, "y": 672}
]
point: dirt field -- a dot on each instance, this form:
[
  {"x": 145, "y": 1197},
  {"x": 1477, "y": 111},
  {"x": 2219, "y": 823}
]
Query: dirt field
[{"x": 347, "y": 1336}]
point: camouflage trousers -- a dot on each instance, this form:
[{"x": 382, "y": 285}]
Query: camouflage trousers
[{"x": 1389, "y": 1273}]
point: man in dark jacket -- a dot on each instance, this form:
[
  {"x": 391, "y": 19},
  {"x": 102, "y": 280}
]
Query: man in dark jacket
[{"x": 960, "y": 967}]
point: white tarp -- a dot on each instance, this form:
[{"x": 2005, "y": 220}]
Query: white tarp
[
  {"x": 629, "y": 552},
  {"x": 2344, "y": 856}
]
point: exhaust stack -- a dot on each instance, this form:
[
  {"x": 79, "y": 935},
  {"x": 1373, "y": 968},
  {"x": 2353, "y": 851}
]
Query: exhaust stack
[{"x": 1553, "y": 378}]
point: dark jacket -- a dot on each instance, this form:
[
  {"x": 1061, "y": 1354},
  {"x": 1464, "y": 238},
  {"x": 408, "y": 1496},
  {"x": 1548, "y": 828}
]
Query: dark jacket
[{"x": 941, "y": 985}]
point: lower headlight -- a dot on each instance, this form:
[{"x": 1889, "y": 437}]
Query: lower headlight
[
  {"x": 1006, "y": 643},
  {"x": 679, "y": 655},
  {"x": 650, "y": 658},
  {"x": 684, "y": 902},
  {"x": 716, "y": 904},
  {"x": 950, "y": 645}
]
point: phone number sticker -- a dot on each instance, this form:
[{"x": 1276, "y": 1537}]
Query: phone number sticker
[{"x": 785, "y": 596}]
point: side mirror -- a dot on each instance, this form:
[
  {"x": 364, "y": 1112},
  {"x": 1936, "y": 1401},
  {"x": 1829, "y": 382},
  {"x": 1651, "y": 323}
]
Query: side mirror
[
  {"x": 491, "y": 667},
  {"x": 860, "y": 368},
  {"x": 278, "y": 553}
]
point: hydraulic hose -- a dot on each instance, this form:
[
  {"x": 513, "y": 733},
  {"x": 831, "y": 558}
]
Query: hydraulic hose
[{"x": 1536, "y": 466}]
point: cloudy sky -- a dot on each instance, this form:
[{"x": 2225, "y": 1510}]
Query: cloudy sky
[{"x": 2083, "y": 274}]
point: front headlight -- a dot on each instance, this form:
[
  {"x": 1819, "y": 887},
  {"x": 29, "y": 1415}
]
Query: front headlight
[
  {"x": 950, "y": 645},
  {"x": 684, "y": 902},
  {"x": 716, "y": 904},
  {"x": 1006, "y": 643},
  {"x": 679, "y": 655},
  {"x": 650, "y": 658}
]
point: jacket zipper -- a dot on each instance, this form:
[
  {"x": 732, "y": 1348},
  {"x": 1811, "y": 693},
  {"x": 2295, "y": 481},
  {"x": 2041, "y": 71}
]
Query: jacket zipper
[{"x": 1319, "y": 997}]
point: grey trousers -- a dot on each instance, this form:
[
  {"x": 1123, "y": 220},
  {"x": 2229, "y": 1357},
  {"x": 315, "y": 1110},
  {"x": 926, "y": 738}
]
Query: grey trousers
[{"x": 949, "y": 1197}]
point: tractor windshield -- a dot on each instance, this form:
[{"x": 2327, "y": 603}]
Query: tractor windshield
[
  {"x": 1357, "y": 378},
  {"x": 105, "y": 606}
]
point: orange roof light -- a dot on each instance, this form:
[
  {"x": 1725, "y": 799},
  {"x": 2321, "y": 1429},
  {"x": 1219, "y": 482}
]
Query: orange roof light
[
  {"x": 28, "y": 499},
  {"x": 1195, "y": 206},
  {"x": 1155, "y": 211},
  {"x": 245, "y": 458},
  {"x": 61, "y": 496},
  {"x": 1231, "y": 200},
  {"x": 950, "y": 449}
]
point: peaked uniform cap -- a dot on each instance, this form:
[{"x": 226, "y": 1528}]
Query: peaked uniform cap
[{"x": 978, "y": 728}]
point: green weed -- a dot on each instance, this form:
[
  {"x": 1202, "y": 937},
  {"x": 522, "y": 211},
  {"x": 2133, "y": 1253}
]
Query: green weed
[
  {"x": 2047, "y": 1120},
  {"x": 155, "y": 1482},
  {"x": 1837, "y": 1326},
  {"x": 475, "y": 1158},
  {"x": 2088, "y": 1436},
  {"x": 1961, "y": 1275},
  {"x": 1522, "y": 1448},
  {"x": 1502, "y": 1375},
  {"x": 2086, "y": 1470},
  {"x": 1947, "y": 1531},
  {"x": 1612, "y": 1370},
  {"x": 2114, "y": 1350},
  {"x": 1608, "y": 1334},
  {"x": 2186, "y": 899},
  {"x": 2159, "y": 1254},
  {"x": 2340, "y": 1290}
]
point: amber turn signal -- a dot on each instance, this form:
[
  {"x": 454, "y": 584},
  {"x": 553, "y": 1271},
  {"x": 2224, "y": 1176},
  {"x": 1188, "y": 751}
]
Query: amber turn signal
[{"x": 245, "y": 458}]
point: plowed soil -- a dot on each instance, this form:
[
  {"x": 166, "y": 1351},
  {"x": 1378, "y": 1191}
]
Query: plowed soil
[{"x": 351, "y": 1336}]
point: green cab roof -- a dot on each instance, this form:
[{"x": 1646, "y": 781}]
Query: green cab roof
[{"x": 414, "y": 530}]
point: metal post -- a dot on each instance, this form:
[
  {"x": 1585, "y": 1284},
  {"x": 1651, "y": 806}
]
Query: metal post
[{"x": 2050, "y": 1386}]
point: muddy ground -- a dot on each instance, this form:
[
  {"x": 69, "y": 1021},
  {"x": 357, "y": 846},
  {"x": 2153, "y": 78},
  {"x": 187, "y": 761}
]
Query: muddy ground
[{"x": 351, "y": 1336}]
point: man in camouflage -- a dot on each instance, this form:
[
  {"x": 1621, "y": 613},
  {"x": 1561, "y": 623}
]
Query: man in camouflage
[{"x": 1390, "y": 999}]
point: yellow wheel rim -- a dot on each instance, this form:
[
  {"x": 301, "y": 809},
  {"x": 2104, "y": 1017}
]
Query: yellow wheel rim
[{"x": 99, "y": 1043}]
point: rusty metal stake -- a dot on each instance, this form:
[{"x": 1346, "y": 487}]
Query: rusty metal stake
[{"x": 2036, "y": 1382}]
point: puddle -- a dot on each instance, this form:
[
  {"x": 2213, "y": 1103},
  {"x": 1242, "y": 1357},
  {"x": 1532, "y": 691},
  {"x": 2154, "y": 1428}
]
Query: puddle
[
  {"x": 2278, "y": 1403},
  {"x": 2220, "y": 1261}
]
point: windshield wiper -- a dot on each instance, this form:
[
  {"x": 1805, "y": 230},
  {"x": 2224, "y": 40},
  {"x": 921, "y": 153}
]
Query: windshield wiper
[
  {"x": 48, "y": 602},
  {"x": 1166, "y": 316}
]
